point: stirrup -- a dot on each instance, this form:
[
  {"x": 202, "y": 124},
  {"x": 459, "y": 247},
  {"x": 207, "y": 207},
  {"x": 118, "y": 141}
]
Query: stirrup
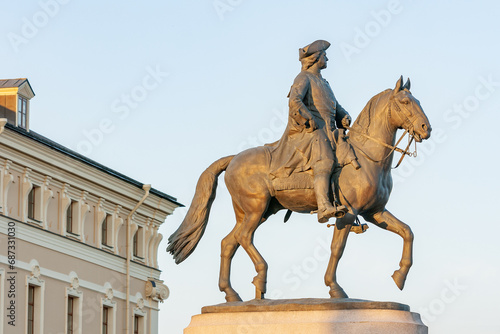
[{"x": 341, "y": 211}]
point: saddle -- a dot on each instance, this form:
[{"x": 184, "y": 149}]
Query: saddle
[{"x": 344, "y": 154}]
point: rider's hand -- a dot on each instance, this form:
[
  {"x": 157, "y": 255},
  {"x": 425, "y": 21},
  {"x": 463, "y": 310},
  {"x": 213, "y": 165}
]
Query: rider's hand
[
  {"x": 346, "y": 121},
  {"x": 312, "y": 125}
]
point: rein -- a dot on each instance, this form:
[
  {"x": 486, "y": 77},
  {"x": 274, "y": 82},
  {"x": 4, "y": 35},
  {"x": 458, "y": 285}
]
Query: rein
[{"x": 404, "y": 152}]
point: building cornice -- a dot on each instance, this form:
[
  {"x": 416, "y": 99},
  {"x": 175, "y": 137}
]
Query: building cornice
[
  {"x": 75, "y": 248},
  {"x": 22, "y": 148}
]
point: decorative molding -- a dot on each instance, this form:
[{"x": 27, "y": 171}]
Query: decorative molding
[
  {"x": 116, "y": 223},
  {"x": 50, "y": 158},
  {"x": 149, "y": 234},
  {"x": 47, "y": 273},
  {"x": 46, "y": 196},
  {"x": 82, "y": 210},
  {"x": 108, "y": 293},
  {"x": 156, "y": 244},
  {"x": 139, "y": 306},
  {"x": 35, "y": 269},
  {"x": 6, "y": 179},
  {"x": 156, "y": 290},
  {"x": 43, "y": 159},
  {"x": 73, "y": 289},
  {"x": 37, "y": 177},
  {"x": 78, "y": 250}
]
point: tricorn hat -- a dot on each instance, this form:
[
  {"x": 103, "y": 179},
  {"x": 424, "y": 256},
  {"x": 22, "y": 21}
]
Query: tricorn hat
[{"x": 319, "y": 45}]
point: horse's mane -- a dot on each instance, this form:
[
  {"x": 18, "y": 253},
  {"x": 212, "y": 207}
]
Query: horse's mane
[{"x": 363, "y": 121}]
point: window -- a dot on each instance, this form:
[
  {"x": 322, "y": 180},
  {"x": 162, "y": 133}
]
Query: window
[
  {"x": 136, "y": 324},
  {"x": 31, "y": 309},
  {"x": 108, "y": 312},
  {"x": 22, "y": 112},
  {"x": 105, "y": 318},
  {"x": 134, "y": 243},
  {"x": 70, "y": 314},
  {"x": 31, "y": 204},
  {"x": 104, "y": 231},
  {"x": 137, "y": 243},
  {"x": 34, "y": 203},
  {"x": 139, "y": 323},
  {"x": 73, "y": 306},
  {"x": 34, "y": 301},
  {"x": 69, "y": 218}
]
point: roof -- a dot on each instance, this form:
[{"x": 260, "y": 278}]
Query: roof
[
  {"x": 11, "y": 83},
  {"x": 64, "y": 150}
]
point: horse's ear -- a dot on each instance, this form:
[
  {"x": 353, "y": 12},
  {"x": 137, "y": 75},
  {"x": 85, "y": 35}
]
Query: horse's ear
[
  {"x": 407, "y": 84},
  {"x": 399, "y": 84}
]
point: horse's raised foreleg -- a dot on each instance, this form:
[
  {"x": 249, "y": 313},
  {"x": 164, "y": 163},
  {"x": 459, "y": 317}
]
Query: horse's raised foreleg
[
  {"x": 386, "y": 220},
  {"x": 340, "y": 234},
  {"x": 244, "y": 236}
]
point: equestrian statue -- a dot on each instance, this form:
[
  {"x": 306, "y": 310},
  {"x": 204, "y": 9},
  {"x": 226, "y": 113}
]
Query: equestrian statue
[{"x": 321, "y": 164}]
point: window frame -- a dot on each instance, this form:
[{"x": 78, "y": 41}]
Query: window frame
[
  {"x": 70, "y": 315},
  {"x": 105, "y": 320},
  {"x": 70, "y": 218},
  {"x": 104, "y": 232},
  {"x": 110, "y": 307},
  {"x": 138, "y": 250},
  {"x": 37, "y": 285},
  {"x": 31, "y": 207},
  {"x": 22, "y": 112},
  {"x": 135, "y": 244},
  {"x": 72, "y": 293},
  {"x": 34, "y": 205},
  {"x": 31, "y": 310},
  {"x": 136, "y": 324}
]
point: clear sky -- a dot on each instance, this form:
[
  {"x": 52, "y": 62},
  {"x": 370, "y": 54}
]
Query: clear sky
[{"x": 159, "y": 90}]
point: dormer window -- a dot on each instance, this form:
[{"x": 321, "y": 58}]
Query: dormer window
[
  {"x": 22, "y": 112},
  {"x": 15, "y": 96}
]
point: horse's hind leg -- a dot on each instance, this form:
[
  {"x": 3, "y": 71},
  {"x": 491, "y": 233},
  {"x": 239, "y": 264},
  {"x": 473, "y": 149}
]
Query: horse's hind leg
[
  {"x": 339, "y": 240},
  {"x": 244, "y": 236},
  {"x": 229, "y": 245},
  {"x": 387, "y": 221}
]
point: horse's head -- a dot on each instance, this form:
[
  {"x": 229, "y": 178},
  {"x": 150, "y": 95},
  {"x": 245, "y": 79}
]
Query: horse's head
[{"x": 406, "y": 112}]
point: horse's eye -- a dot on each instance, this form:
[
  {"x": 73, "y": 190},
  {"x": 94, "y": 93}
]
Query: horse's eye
[{"x": 405, "y": 101}]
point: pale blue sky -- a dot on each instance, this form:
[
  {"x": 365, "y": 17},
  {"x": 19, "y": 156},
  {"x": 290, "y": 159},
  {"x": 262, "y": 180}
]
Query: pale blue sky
[{"x": 221, "y": 85}]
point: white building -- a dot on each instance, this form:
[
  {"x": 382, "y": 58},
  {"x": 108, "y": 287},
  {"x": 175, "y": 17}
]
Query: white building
[{"x": 78, "y": 241}]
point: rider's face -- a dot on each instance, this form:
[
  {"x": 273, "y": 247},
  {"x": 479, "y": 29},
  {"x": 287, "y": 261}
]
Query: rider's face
[{"x": 322, "y": 60}]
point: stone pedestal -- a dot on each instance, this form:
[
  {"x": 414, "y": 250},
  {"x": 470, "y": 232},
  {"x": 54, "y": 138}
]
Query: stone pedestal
[{"x": 302, "y": 316}]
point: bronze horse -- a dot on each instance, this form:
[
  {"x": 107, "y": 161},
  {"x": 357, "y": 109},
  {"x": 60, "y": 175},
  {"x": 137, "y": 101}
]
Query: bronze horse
[{"x": 364, "y": 192}]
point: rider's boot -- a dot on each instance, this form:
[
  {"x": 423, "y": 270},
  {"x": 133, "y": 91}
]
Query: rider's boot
[{"x": 322, "y": 177}]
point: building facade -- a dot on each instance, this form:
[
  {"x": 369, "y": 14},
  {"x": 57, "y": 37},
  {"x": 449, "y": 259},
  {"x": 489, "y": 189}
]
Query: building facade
[{"x": 78, "y": 241}]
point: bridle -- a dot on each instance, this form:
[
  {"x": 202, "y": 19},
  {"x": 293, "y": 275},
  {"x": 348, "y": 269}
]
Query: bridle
[{"x": 407, "y": 124}]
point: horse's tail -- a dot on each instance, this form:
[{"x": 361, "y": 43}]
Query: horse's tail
[{"x": 183, "y": 241}]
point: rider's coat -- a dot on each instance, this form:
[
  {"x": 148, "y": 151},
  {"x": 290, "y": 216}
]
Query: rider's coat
[{"x": 300, "y": 148}]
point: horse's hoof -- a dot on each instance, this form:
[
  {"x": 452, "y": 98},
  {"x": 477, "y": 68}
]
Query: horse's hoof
[
  {"x": 399, "y": 279},
  {"x": 337, "y": 292},
  {"x": 234, "y": 297},
  {"x": 259, "y": 283},
  {"x": 259, "y": 294}
]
